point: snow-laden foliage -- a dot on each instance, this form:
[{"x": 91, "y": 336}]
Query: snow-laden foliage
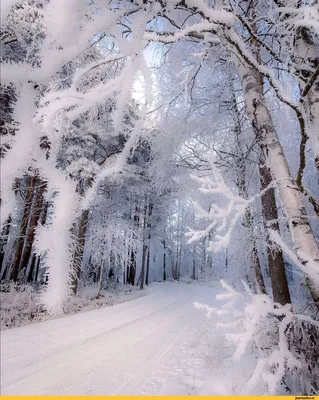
[
  {"x": 283, "y": 341},
  {"x": 20, "y": 304},
  {"x": 125, "y": 124},
  {"x": 222, "y": 219}
]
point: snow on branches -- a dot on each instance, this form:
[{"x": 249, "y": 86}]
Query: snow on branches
[
  {"x": 74, "y": 93},
  {"x": 222, "y": 218},
  {"x": 283, "y": 342}
]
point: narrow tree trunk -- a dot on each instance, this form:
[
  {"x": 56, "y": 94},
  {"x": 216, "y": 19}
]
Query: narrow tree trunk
[
  {"x": 124, "y": 275},
  {"x": 23, "y": 228},
  {"x": 132, "y": 271},
  {"x": 142, "y": 276},
  {"x": 100, "y": 277},
  {"x": 37, "y": 270},
  {"x": 149, "y": 229},
  {"x": 128, "y": 260},
  {"x": 164, "y": 260},
  {"x": 38, "y": 259},
  {"x": 147, "y": 267},
  {"x": 79, "y": 249},
  {"x": 226, "y": 259}
]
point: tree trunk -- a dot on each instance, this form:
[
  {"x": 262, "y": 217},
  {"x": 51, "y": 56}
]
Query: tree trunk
[
  {"x": 306, "y": 52},
  {"x": 147, "y": 266},
  {"x": 79, "y": 249},
  {"x": 256, "y": 275},
  {"x": 149, "y": 229},
  {"x": 164, "y": 260},
  {"x": 4, "y": 239},
  {"x": 38, "y": 259},
  {"x": 100, "y": 277},
  {"x": 142, "y": 276},
  {"x": 16, "y": 266},
  {"x": 132, "y": 268},
  {"x": 32, "y": 228},
  {"x": 37, "y": 270},
  {"x": 276, "y": 263},
  {"x": 303, "y": 238}
]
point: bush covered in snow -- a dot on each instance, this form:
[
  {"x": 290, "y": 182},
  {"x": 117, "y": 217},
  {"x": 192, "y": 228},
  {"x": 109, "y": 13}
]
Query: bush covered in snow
[
  {"x": 20, "y": 303},
  {"x": 284, "y": 343}
]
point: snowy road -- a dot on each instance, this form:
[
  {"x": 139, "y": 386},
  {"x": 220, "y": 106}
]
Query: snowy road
[{"x": 114, "y": 350}]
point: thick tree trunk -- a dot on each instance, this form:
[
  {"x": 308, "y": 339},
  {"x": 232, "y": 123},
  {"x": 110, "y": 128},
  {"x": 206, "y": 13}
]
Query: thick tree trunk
[
  {"x": 305, "y": 53},
  {"x": 32, "y": 228},
  {"x": 256, "y": 276},
  {"x": 303, "y": 238},
  {"x": 16, "y": 266},
  {"x": 4, "y": 239},
  {"x": 79, "y": 249},
  {"x": 276, "y": 263}
]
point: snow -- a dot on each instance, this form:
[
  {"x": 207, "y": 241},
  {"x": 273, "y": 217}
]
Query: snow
[
  {"x": 156, "y": 344},
  {"x": 20, "y": 304},
  {"x": 6, "y": 6}
]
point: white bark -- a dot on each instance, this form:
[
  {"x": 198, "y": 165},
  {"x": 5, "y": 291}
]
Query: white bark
[
  {"x": 306, "y": 53},
  {"x": 305, "y": 244}
]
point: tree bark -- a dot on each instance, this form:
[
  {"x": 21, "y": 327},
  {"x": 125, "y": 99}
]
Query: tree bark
[
  {"x": 164, "y": 260},
  {"x": 132, "y": 269},
  {"x": 147, "y": 267},
  {"x": 276, "y": 263},
  {"x": 306, "y": 52},
  {"x": 16, "y": 266},
  {"x": 303, "y": 238},
  {"x": 4, "y": 239},
  {"x": 142, "y": 277},
  {"x": 79, "y": 249},
  {"x": 256, "y": 275},
  {"x": 32, "y": 228},
  {"x": 149, "y": 229},
  {"x": 38, "y": 259}
]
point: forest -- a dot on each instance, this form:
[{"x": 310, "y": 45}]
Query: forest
[{"x": 166, "y": 142}]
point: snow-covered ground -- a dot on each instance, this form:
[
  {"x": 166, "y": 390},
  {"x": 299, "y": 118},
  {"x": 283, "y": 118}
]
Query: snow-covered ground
[
  {"x": 20, "y": 305},
  {"x": 156, "y": 344}
]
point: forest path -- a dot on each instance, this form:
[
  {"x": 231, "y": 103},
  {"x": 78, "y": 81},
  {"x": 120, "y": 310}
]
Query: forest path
[{"x": 136, "y": 347}]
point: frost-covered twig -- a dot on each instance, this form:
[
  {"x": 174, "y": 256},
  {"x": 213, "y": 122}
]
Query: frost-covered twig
[{"x": 284, "y": 342}]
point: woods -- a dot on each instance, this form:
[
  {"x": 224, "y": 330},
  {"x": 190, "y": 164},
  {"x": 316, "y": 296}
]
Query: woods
[{"x": 146, "y": 141}]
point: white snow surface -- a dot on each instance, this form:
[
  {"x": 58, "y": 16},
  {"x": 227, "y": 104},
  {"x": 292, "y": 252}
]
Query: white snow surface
[{"x": 156, "y": 344}]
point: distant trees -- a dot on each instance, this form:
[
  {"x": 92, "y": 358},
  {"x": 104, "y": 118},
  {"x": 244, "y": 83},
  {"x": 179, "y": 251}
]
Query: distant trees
[{"x": 101, "y": 185}]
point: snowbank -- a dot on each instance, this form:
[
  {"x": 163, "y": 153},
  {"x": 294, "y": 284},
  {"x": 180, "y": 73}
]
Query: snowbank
[{"x": 20, "y": 305}]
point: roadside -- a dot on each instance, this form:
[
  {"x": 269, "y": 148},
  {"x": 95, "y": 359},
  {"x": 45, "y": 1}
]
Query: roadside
[{"x": 19, "y": 304}]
